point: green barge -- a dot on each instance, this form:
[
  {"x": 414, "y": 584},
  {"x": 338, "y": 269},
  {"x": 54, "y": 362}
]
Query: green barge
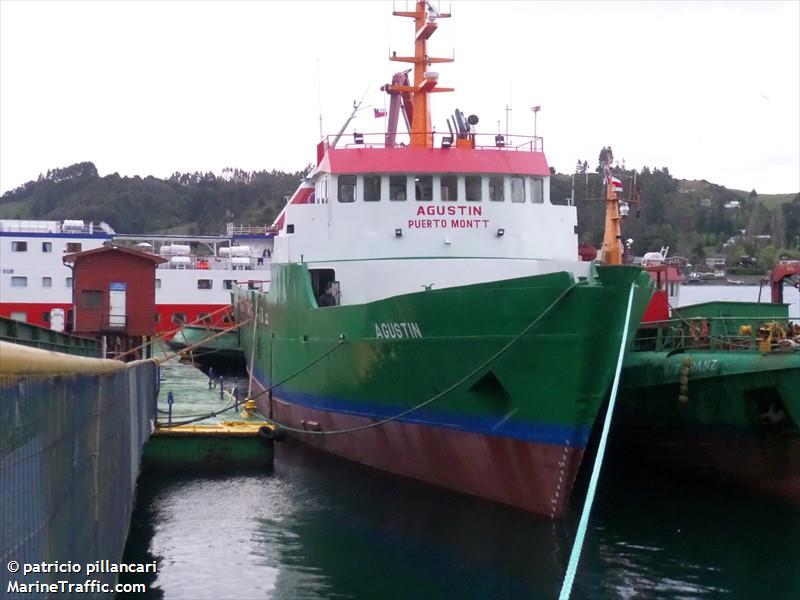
[{"x": 715, "y": 392}]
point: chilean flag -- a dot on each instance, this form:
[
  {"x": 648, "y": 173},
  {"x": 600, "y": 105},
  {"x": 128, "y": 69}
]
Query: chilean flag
[
  {"x": 379, "y": 112},
  {"x": 617, "y": 183}
]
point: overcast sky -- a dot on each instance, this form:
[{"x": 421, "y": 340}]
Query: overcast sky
[{"x": 710, "y": 90}]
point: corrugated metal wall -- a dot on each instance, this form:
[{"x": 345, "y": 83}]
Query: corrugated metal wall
[{"x": 70, "y": 445}]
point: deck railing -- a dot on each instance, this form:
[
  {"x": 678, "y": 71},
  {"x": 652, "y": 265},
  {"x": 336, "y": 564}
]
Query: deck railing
[
  {"x": 716, "y": 333},
  {"x": 483, "y": 141}
]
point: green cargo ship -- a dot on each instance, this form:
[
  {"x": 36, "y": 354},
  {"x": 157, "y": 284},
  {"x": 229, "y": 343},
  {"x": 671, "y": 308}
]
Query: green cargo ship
[{"x": 428, "y": 313}]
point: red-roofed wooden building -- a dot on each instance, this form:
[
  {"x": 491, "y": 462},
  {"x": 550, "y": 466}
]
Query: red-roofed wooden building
[{"x": 114, "y": 292}]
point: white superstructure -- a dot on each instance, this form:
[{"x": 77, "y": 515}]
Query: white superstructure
[{"x": 195, "y": 282}]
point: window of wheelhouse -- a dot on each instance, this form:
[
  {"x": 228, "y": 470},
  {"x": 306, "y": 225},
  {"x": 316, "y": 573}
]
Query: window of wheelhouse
[
  {"x": 449, "y": 188},
  {"x": 321, "y": 191},
  {"x": 497, "y": 189},
  {"x": 423, "y": 188},
  {"x": 372, "y": 188},
  {"x": 347, "y": 188},
  {"x": 397, "y": 188},
  {"x": 472, "y": 188},
  {"x": 517, "y": 189},
  {"x": 537, "y": 190}
]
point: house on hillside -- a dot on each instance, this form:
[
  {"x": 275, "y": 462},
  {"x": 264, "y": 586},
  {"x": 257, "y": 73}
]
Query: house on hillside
[{"x": 716, "y": 262}]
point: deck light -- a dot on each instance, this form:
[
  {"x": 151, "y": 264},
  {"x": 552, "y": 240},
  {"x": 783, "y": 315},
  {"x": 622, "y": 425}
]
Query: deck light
[
  {"x": 501, "y": 232},
  {"x": 447, "y": 241},
  {"x": 398, "y": 232},
  {"x": 358, "y": 138}
]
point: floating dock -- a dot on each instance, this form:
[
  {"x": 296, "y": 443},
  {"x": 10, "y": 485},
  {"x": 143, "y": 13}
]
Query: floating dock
[{"x": 231, "y": 444}]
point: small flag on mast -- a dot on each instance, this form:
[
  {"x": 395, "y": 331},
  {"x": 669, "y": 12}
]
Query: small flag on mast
[
  {"x": 617, "y": 183},
  {"x": 379, "y": 112}
]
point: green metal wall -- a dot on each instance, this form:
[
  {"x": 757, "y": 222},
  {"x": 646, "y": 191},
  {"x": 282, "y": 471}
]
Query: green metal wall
[{"x": 47, "y": 339}]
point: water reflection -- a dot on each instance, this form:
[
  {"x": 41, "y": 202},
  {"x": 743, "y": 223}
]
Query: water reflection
[{"x": 320, "y": 527}]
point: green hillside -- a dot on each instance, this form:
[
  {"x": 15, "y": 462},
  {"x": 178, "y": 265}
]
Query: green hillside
[{"x": 695, "y": 219}]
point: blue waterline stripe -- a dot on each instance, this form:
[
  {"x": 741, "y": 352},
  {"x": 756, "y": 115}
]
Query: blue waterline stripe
[{"x": 498, "y": 426}]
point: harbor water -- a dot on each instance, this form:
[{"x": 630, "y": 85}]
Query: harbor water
[{"x": 319, "y": 527}]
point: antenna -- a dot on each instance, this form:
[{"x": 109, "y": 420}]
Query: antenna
[{"x": 356, "y": 108}]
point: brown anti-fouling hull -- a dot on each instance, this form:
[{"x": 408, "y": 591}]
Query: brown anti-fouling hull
[{"x": 533, "y": 476}]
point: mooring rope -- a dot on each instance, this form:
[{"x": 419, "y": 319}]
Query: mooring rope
[
  {"x": 575, "y": 556},
  {"x": 408, "y": 411}
]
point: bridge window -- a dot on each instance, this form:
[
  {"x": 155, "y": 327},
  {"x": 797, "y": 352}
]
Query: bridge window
[
  {"x": 347, "y": 188},
  {"x": 19, "y": 246},
  {"x": 449, "y": 188},
  {"x": 497, "y": 192},
  {"x": 397, "y": 187},
  {"x": 47, "y": 282},
  {"x": 517, "y": 189},
  {"x": 537, "y": 190},
  {"x": 321, "y": 191},
  {"x": 47, "y": 246},
  {"x": 423, "y": 187},
  {"x": 472, "y": 188},
  {"x": 372, "y": 188},
  {"x": 19, "y": 282}
]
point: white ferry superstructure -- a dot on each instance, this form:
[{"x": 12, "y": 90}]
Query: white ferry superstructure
[{"x": 192, "y": 286}]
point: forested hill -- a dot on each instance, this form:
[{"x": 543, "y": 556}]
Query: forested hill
[
  {"x": 187, "y": 203},
  {"x": 695, "y": 219}
]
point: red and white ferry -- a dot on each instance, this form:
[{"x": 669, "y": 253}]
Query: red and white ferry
[{"x": 192, "y": 286}]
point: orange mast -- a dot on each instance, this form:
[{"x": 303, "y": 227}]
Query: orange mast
[
  {"x": 612, "y": 236},
  {"x": 424, "y": 80}
]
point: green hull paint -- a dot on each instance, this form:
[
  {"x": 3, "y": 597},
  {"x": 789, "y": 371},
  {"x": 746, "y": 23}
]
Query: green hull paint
[
  {"x": 715, "y": 404},
  {"x": 189, "y": 335},
  {"x": 529, "y": 360},
  {"x": 557, "y": 374},
  {"x": 724, "y": 388},
  {"x": 222, "y": 353}
]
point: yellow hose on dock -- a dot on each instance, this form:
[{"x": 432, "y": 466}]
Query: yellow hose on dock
[{"x": 16, "y": 359}]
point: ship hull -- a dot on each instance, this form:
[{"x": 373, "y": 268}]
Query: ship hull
[
  {"x": 738, "y": 422},
  {"x": 488, "y": 389},
  {"x": 222, "y": 353}
]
